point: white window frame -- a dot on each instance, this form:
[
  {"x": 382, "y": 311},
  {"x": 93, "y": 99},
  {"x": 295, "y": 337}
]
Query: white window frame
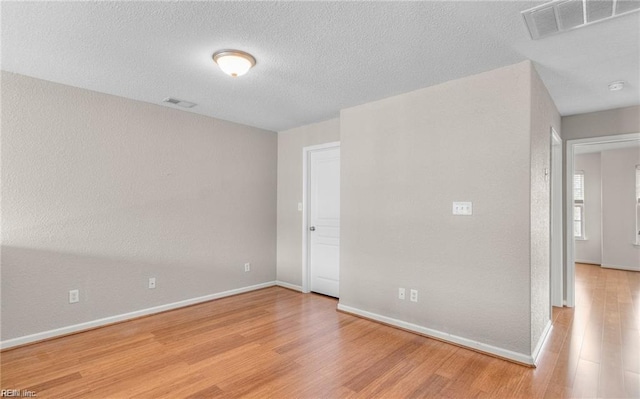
[{"x": 578, "y": 204}]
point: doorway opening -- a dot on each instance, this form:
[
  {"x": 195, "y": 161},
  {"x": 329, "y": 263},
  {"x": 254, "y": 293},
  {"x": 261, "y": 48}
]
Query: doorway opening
[{"x": 572, "y": 148}]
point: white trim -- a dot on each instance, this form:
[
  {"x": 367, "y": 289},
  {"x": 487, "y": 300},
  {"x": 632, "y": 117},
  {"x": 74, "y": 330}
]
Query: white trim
[
  {"x": 556, "y": 257},
  {"x": 636, "y": 243},
  {"x": 541, "y": 341},
  {"x": 305, "y": 209},
  {"x": 633, "y": 269},
  {"x": 126, "y": 316},
  {"x": 479, "y": 346},
  {"x": 571, "y": 267},
  {"x": 288, "y": 285}
]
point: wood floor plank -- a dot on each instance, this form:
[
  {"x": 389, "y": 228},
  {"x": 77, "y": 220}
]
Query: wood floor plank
[
  {"x": 379, "y": 368},
  {"x": 431, "y": 387},
  {"x": 282, "y": 344},
  {"x": 406, "y": 377},
  {"x": 586, "y": 384},
  {"x": 209, "y": 392},
  {"x": 43, "y": 386}
]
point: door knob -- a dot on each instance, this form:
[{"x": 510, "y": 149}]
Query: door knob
[{"x": 312, "y": 228}]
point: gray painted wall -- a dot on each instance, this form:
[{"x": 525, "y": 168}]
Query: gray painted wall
[
  {"x": 618, "y": 209},
  {"x": 602, "y": 123},
  {"x": 290, "y": 145},
  {"x": 100, "y": 193},
  {"x": 590, "y": 250},
  {"x": 404, "y": 160},
  {"x": 133, "y": 198}
]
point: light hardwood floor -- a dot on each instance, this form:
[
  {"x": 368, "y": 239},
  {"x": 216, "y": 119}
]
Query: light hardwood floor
[{"x": 282, "y": 344}]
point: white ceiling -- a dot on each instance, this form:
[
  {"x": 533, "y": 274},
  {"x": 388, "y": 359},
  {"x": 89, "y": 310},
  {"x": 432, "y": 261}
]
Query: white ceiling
[{"x": 314, "y": 58}]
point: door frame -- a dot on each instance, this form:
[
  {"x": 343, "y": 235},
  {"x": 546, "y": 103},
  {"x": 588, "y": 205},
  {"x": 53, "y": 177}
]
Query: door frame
[
  {"x": 306, "y": 211},
  {"x": 556, "y": 253},
  {"x": 570, "y": 241}
]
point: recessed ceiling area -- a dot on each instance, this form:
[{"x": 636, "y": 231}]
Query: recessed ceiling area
[{"x": 313, "y": 58}]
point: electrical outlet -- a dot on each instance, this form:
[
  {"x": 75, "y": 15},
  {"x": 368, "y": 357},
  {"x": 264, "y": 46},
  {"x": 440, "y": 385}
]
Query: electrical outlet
[
  {"x": 413, "y": 295},
  {"x": 74, "y": 296},
  {"x": 247, "y": 267},
  {"x": 152, "y": 282},
  {"x": 401, "y": 293}
]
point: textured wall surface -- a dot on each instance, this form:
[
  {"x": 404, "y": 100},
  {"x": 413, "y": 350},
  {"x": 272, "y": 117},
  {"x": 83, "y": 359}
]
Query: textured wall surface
[
  {"x": 290, "y": 145},
  {"x": 590, "y": 250},
  {"x": 618, "y": 208},
  {"x": 99, "y": 193},
  {"x": 405, "y": 159},
  {"x": 544, "y": 116}
]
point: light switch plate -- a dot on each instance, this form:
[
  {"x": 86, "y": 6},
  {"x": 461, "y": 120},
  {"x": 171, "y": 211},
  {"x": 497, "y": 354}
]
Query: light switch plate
[{"x": 463, "y": 208}]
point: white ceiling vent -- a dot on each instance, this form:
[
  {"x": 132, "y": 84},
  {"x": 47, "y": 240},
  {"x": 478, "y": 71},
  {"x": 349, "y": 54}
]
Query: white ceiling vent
[
  {"x": 179, "y": 103},
  {"x": 563, "y": 15}
]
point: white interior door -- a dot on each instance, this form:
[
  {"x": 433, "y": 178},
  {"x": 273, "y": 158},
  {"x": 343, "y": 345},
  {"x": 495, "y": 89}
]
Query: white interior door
[{"x": 324, "y": 221}]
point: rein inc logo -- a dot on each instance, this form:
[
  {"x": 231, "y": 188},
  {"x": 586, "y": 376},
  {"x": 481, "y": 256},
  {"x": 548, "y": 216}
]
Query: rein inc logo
[{"x": 16, "y": 393}]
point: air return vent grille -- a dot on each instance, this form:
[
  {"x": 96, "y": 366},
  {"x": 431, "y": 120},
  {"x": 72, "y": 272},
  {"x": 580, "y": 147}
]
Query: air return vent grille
[
  {"x": 179, "y": 103},
  {"x": 562, "y": 15}
]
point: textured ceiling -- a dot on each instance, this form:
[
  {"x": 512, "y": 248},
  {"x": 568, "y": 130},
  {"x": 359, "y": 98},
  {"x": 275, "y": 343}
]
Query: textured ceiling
[{"x": 314, "y": 58}]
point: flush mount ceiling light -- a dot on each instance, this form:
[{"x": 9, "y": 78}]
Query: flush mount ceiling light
[{"x": 234, "y": 62}]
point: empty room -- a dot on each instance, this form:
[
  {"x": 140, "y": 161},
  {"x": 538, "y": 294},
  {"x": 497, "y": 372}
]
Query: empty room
[{"x": 205, "y": 199}]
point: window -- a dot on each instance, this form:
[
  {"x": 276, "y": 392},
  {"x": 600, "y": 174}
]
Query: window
[
  {"x": 638, "y": 204},
  {"x": 578, "y": 205}
]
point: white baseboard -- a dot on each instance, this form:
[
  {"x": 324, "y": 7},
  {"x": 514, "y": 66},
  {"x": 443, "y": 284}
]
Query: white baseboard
[
  {"x": 543, "y": 337},
  {"x": 27, "y": 339},
  {"x": 479, "y": 346},
  {"x": 633, "y": 269},
  {"x": 289, "y": 286},
  {"x": 588, "y": 262}
]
